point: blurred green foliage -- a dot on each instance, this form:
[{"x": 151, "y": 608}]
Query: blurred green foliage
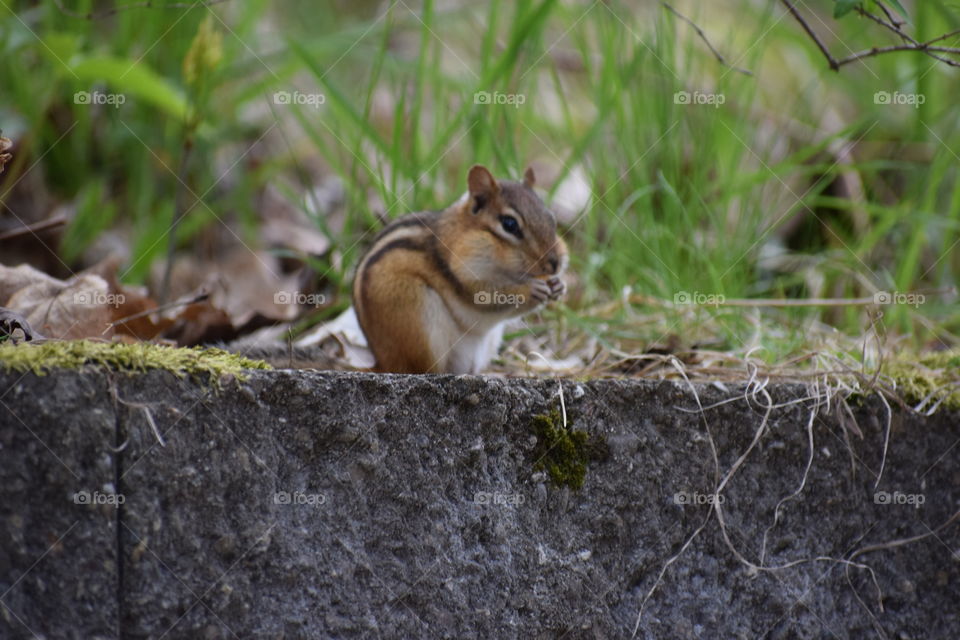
[{"x": 683, "y": 196}]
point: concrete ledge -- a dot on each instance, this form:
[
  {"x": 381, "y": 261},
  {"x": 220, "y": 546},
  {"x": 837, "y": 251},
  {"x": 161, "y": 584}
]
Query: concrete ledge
[{"x": 309, "y": 504}]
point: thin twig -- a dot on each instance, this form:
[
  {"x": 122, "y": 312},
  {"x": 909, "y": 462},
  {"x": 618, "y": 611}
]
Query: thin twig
[
  {"x": 921, "y": 48},
  {"x": 893, "y": 20},
  {"x": 892, "y": 26},
  {"x": 200, "y": 297},
  {"x": 179, "y": 211},
  {"x": 886, "y": 440},
  {"x": 813, "y": 35},
  {"x": 926, "y": 48},
  {"x": 716, "y": 476},
  {"x": 815, "y": 302},
  {"x": 943, "y": 37},
  {"x": 136, "y": 5},
  {"x": 893, "y": 544},
  {"x": 34, "y": 228},
  {"x": 811, "y": 451},
  {"x": 703, "y": 37},
  {"x": 145, "y": 408}
]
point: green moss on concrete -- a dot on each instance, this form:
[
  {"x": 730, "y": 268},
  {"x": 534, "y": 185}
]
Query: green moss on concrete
[
  {"x": 919, "y": 375},
  {"x": 195, "y": 362},
  {"x": 562, "y": 452}
]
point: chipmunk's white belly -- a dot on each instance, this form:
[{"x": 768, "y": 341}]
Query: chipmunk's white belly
[
  {"x": 474, "y": 352},
  {"x": 464, "y": 344}
]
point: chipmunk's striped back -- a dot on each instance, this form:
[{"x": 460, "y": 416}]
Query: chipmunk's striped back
[
  {"x": 407, "y": 233},
  {"x": 434, "y": 288}
]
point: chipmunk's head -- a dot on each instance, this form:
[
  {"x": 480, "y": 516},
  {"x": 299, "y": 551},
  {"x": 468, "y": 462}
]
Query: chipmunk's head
[{"x": 520, "y": 232}]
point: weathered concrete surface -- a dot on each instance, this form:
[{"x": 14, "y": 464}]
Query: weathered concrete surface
[
  {"x": 58, "y": 550},
  {"x": 340, "y": 505}
]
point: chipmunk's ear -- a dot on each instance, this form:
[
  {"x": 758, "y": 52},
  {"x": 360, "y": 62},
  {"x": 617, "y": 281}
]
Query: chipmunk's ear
[
  {"x": 483, "y": 188},
  {"x": 529, "y": 178}
]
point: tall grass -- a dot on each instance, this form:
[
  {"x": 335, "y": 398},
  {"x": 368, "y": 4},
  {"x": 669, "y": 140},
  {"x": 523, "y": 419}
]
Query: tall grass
[{"x": 683, "y": 197}]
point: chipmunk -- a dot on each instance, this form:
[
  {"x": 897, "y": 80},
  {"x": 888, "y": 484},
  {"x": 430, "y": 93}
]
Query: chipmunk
[{"x": 434, "y": 290}]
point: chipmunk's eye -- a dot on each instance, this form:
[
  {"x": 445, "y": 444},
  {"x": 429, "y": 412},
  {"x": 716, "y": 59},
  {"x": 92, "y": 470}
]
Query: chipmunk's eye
[{"x": 510, "y": 225}]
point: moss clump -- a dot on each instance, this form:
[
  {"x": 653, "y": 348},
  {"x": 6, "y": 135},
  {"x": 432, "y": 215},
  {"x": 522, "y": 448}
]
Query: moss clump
[
  {"x": 919, "y": 375},
  {"x": 196, "y": 362},
  {"x": 561, "y": 452}
]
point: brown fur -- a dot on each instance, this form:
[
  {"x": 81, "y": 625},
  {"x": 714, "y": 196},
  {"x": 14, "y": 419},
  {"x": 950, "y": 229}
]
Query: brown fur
[{"x": 438, "y": 263}]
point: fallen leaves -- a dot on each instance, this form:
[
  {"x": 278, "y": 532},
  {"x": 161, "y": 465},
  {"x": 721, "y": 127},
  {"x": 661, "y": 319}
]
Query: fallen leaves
[
  {"x": 87, "y": 305},
  {"x": 11, "y": 322},
  {"x": 246, "y": 290},
  {"x": 213, "y": 301},
  {"x": 5, "y": 144}
]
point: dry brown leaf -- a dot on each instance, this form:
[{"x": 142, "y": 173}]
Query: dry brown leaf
[
  {"x": 290, "y": 234},
  {"x": 11, "y": 322},
  {"x": 82, "y": 307},
  {"x": 131, "y": 315},
  {"x": 5, "y": 144},
  {"x": 251, "y": 284},
  {"x": 13, "y": 279},
  {"x": 92, "y": 304},
  {"x": 246, "y": 290},
  {"x": 201, "y": 322}
]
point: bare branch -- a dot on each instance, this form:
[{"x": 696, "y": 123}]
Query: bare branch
[
  {"x": 944, "y": 36},
  {"x": 892, "y": 26},
  {"x": 875, "y": 51},
  {"x": 34, "y": 228},
  {"x": 813, "y": 35},
  {"x": 890, "y": 23},
  {"x": 893, "y": 20},
  {"x": 703, "y": 37},
  {"x": 895, "y": 27},
  {"x": 147, "y": 4}
]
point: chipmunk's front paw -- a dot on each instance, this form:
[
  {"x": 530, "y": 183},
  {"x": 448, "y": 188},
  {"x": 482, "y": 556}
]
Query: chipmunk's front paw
[
  {"x": 540, "y": 291},
  {"x": 544, "y": 290},
  {"x": 557, "y": 287}
]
